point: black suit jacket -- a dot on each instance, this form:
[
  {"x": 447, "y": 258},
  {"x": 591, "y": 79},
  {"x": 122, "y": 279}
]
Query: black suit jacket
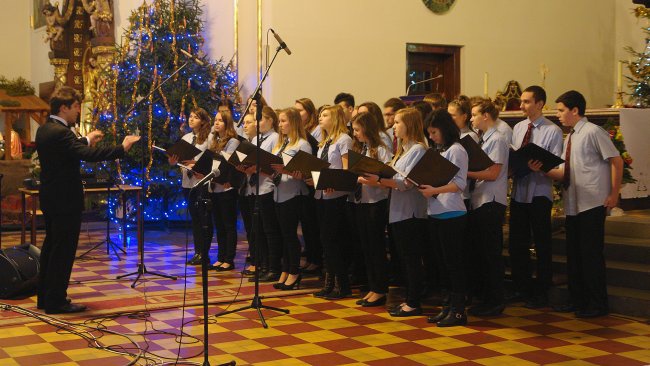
[{"x": 60, "y": 153}]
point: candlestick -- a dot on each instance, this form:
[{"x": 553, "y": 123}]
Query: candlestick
[
  {"x": 619, "y": 77},
  {"x": 485, "y": 84}
]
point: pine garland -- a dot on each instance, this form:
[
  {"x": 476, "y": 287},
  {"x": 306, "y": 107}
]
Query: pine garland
[
  {"x": 18, "y": 87},
  {"x": 617, "y": 138}
]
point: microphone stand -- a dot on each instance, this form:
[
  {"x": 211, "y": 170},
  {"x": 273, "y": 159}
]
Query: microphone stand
[
  {"x": 256, "y": 303},
  {"x": 142, "y": 269}
]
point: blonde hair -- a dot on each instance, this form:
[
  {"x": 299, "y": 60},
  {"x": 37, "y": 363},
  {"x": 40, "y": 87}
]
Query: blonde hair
[
  {"x": 297, "y": 131},
  {"x": 219, "y": 143},
  {"x": 338, "y": 120},
  {"x": 412, "y": 119},
  {"x": 269, "y": 112}
]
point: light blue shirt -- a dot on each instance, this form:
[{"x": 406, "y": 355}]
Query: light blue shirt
[
  {"x": 372, "y": 194},
  {"x": 446, "y": 202},
  {"x": 336, "y": 150},
  {"x": 229, "y": 148},
  {"x": 548, "y": 136},
  {"x": 266, "y": 183},
  {"x": 289, "y": 187},
  {"x": 388, "y": 141},
  {"x": 504, "y": 129},
  {"x": 406, "y": 201},
  {"x": 189, "y": 182},
  {"x": 496, "y": 147},
  {"x": 590, "y": 172},
  {"x": 317, "y": 133}
]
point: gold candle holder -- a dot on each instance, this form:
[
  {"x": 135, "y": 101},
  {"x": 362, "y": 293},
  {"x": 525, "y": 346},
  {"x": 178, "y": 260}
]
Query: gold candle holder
[{"x": 619, "y": 100}]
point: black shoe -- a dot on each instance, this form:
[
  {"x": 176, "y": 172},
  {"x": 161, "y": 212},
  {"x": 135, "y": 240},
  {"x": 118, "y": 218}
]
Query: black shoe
[
  {"x": 453, "y": 319},
  {"x": 536, "y": 302},
  {"x": 248, "y": 273},
  {"x": 516, "y": 297},
  {"x": 221, "y": 268},
  {"x": 565, "y": 308},
  {"x": 67, "y": 309},
  {"x": 328, "y": 286},
  {"x": 487, "y": 310},
  {"x": 270, "y": 276},
  {"x": 400, "y": 312},
  {"x": 379, "y": 302},
  {"x": 40, "y": 306},
  {"x": 441, "y": 315},
  {"x": 195, "y": 261},
  {"x": 360, "y": 302},
  {"x": 591, "y": 313},
  {"x": 295, "y": 284}
]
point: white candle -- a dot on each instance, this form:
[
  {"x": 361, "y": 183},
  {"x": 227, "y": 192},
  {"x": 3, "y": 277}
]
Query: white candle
[
  {"x": 619, "y": 77},
  {"x": 485, "y": 84}
]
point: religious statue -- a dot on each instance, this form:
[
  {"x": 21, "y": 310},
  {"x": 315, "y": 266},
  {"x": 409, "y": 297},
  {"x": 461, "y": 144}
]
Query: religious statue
[
  {"x": 91, "y": 80},
  {"x": 54, "y": 22},
  {"x": 100, "y": 15}
]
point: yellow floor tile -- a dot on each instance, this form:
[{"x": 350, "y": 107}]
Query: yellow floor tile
[
  {"x": 504, "y": 361},
  {"x": 379, "y": 339},
  {"x": 639, "y": 355},
  {"x": 442, "y": 343},
  {"x": 302, "y": 350},
  {"x": 240, "y": 346},
  {"x": 319, "y": 336},
  {"x": 509, "y": 347},
  {"x": 511, "y": 333},
  {"x": 577, "y": 351},
  {"x": 576, "y": 337},
  {"x": 435, "y": 358},
  {"x": 367, "y": 354}
]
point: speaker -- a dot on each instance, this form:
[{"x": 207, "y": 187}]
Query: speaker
[{"x": 19, "y": 267}]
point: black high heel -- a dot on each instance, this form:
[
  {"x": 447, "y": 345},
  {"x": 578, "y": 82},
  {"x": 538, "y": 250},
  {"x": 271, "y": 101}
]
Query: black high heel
[{"x": 296, "y": 284}]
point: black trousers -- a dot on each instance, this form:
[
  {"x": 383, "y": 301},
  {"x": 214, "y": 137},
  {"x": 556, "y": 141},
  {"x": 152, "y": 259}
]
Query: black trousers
[
  {"x": 449, "y": 236},
  {"x": 585, "y": 237},
  {"x": 353, "y": 255},
  {"x": 371, "y": 220},
  {"x": 333, "y": 234},
  {"x": 525, "y": 218},
  {"x": 270, "y": 238},
  {"x": 247, "y": 219},
  {"x": 224, "y": 213},
  {"x": 487, "y": 226},
  {"x": 202, "y": 236},
  {"x": 288, "y": 213},
  {"x": 57, "y": 257},
  {"x": 410, "y": 238},
  {"x": 310, "y": 229}
]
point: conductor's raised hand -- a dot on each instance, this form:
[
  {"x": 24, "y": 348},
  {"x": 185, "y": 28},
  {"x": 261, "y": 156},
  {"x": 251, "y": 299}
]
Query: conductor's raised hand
[
  {"x": 94, "y": 137},
  {"x": 129, "y": 141}
]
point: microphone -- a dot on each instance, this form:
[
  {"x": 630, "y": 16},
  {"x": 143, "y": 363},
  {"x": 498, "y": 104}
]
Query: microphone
[
  {"x": 281, "y": 42},
  {"x": 189, "y": 55},
  {"x": 213, "y": 174},
  {"x": 422, "y": 81}
]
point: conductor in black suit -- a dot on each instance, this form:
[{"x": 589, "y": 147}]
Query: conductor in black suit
[{"x": 61, "y": 195}]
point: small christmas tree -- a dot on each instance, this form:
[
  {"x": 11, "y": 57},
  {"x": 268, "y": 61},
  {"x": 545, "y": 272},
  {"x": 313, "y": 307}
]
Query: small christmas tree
[
  {"x": 148, "y": 55},
  {"x": 640, "y": 69}
]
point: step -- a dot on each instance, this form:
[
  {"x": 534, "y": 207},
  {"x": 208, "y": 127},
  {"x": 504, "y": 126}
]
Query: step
[
  {"x": 617, "y": 248},
  {"x": 634, "y": 224},
  {"x": 622, "y": 300}
]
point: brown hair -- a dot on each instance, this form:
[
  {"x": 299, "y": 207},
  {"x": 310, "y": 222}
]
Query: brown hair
[
  {"x": 436, "y": 100},
  {"x": 395, "y": 103},
  {"x": 270, "y": 113},
  {"x": 370, "y": 130},
  {"x": 64, "y": 96},
  {"x": 376, "y": 112},
  {"x": 206, "y": 124},
  {"x": 463, "y": 106},
  {"x": 487, "y": 106},
  {"x": 297, "y": 129},
  {"x": 311, "y": 110},
  {"x": 412, "y": 119},
  {"x": 219, "y": 143}
]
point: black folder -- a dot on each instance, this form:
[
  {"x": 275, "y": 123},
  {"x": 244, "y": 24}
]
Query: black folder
[
  {"x": 478, "y": 159},
  {"x": 432, "y": 169},
  {"x": 184, "y": 150},
  {"x": 336, "y": 179},
  {"x": 305, "y": 163},
  {"x": 227, "y": 171},
  {"x": 361, "y": 164},
  {"x": 266, "y": 158},
  {"x": 518, "y": 159},
  {"x": 204, "y": 164}
]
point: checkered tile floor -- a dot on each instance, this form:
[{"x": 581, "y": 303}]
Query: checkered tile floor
[{"x": 321, "y": 332}]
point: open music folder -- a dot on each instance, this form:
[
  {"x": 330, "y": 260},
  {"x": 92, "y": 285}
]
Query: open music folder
[
  {"x": 183, "y": 149},
  {"x": 303, "y": 162},
  {"x": 336, "y": 179},
  {"x": 518, "y": 159},
  {"x": 432, "y": 169},
  {"x": 478, "y": 159},
  {"x": 361, "y": 164},
  {"x": 247, "y": 154}
]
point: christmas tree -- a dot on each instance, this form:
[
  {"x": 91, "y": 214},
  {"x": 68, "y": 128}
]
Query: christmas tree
[
  {"x": 149, "y": 54},
  {"x": 640, "y": 69}
]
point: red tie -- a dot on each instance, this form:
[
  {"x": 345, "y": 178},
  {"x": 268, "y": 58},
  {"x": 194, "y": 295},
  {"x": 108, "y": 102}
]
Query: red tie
[
  {"x": 567, "y": 163},
  {"x": 529, "y": 132},
  {"x": 394, "y": 143}
]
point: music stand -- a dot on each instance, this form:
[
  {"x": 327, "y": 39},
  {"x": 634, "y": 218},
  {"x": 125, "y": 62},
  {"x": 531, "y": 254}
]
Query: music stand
[{"x": 256, "y": 302}]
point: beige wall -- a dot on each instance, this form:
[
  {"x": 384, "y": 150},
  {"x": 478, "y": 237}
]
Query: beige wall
[{"x": 359, "y": 46}]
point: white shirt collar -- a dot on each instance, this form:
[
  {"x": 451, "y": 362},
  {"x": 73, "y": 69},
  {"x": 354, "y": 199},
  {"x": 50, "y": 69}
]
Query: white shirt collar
[{"x": 65, "y": 123}]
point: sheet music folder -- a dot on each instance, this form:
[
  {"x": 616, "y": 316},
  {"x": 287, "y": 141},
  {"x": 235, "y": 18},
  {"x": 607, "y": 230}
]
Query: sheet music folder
[
  {"x": 204, "y": 164},
  {"x": 303, "y": 162},
  {"x": 518, "y": 159},
  {"x": 361, "y": 164},
  {"x": 336, "y": 179},
  {"x": 266, "y": 158},
  {"x": 478, "y": 159},
  {"x": 432, "y": 169},
  {"x": 183, "y": 149}
]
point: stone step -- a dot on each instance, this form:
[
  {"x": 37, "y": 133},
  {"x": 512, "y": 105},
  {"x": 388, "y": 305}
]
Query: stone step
[
  {"x": 634, "y": 224},
  {"x": 622, "y": 300},
  {"x": 617, "y": 248}
]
